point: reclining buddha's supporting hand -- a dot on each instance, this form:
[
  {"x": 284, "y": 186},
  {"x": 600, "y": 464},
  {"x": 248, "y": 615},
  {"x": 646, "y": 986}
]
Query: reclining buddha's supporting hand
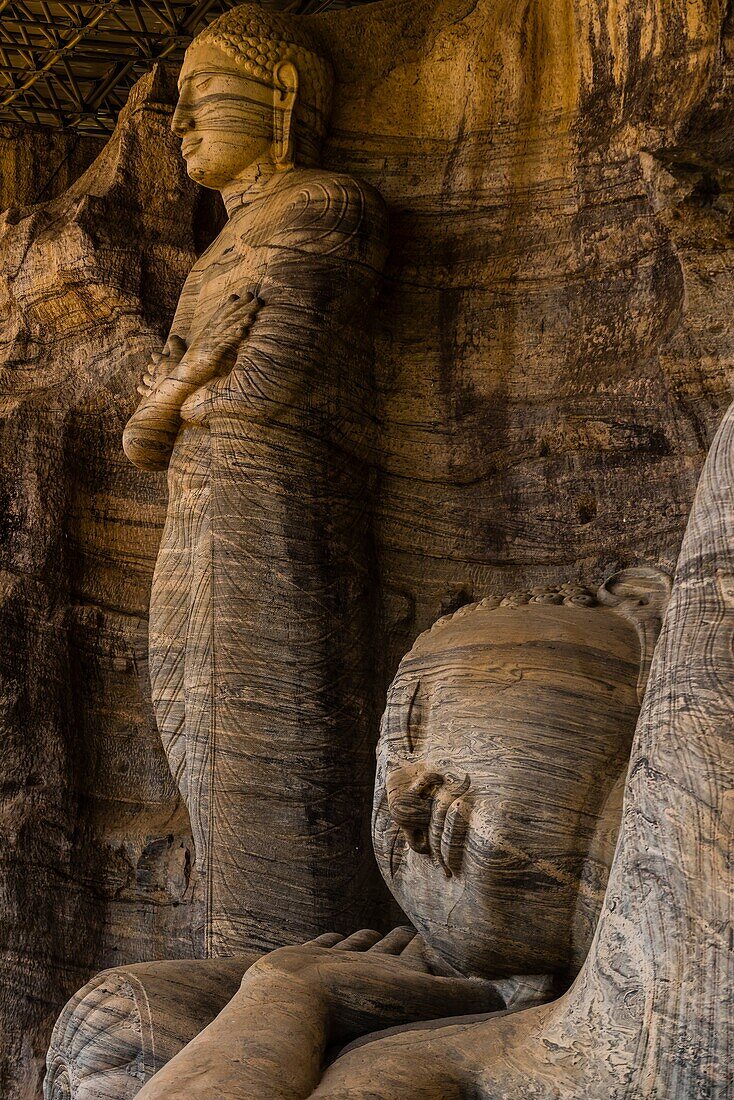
[
  {"x": 372, "y": 982},
  {"x": 270, "y": 1040},
  {"x": 150, "y": 433}
]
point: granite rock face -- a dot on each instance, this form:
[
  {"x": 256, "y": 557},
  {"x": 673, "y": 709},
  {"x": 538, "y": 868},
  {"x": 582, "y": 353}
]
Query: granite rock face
[
  {"x": 95, "y": 849},
  {"x": 552, "y": 355}
]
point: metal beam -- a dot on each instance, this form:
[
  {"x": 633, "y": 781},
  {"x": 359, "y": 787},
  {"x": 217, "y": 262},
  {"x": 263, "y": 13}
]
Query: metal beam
[
  {"x": 191, "y": 22},
  {"x": 118, "y": 73},
  {"x": 115, "y": 36},
  {"x": 89, "y": 52},
  {"x": 170, "y": 19},
  {"x": 60, "y": 54},
  {"x": 139, "y": 41}
]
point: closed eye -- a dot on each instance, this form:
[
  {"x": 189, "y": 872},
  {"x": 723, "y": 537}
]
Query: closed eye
[
  {"x": 203, "y": 84},
  {"x": 413, "y": 717}
]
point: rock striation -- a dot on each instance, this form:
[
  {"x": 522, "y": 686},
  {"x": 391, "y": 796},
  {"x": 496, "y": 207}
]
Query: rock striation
[
  {"x": 95, "y": 848},
  {"x": 552, "y": 354}
]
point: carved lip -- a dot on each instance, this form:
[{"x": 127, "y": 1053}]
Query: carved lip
[{"x": 188, "y": 145}]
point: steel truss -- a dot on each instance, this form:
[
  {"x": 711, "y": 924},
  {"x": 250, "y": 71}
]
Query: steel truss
[{"x": 71, "y": 65}]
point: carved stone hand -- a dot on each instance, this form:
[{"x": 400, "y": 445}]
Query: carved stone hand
[
  {"x": 371, "y": 982},
  {"x": 214, "y": 350},
  {"x": 328, "y": 991},
  {"x": 151, "y": 432},
  {"x": 161, "y": 363}
]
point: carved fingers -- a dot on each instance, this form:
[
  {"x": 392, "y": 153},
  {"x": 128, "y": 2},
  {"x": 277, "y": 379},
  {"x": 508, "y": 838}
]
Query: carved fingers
[
  {"x": 395, "y": 942},
  {"x": 215, "y": 349},
  {"x": 161, "y": 364},
  {"x": 363, "y": 988},
  {"x": 360, "y": 941},
  {"x": 148, "y": 381},
  {"x": 328, "y": 939},
  {"x": 367, "y": 939},
  {"x": 232, "y": 321},
  {"x": 175, "y": 348},
  {"x": 211, "y": 353}
]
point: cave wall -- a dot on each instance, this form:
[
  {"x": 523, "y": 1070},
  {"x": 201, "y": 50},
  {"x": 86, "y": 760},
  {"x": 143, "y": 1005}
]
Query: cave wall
[
  {"x": 554, "y": 350},
  {"x": 553, "y": 353},
  {"x": 37, "y": 163},
  {"x": 95, "y": 850}
]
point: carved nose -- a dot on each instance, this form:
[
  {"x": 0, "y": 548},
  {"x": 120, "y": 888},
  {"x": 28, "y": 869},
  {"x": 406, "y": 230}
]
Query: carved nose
[
  {"x": 410, "y": 791},
  {"x": 182, "y": 121}
]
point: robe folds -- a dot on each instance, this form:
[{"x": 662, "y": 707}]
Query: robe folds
[{"x": 260, "y": 611}]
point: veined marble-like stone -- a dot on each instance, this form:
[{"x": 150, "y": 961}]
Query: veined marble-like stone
[
  {"x": 552, "y": 353},
  {"x": 95, "y": 849}
]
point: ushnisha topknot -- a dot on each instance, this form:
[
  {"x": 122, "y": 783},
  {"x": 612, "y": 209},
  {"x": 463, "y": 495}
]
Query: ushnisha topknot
[
  {"x": 640, "y": 594},
  {"x": 257, "y": 39}
]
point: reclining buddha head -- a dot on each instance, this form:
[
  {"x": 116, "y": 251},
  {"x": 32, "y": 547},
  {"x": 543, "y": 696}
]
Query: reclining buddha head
[{"x": 501, "y": 766}]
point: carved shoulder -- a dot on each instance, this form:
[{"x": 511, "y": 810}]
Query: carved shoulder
[{"x": 331, "y": 214}]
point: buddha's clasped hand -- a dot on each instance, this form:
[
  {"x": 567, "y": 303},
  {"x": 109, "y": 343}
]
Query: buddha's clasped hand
[{"x": 214, "y": 350}]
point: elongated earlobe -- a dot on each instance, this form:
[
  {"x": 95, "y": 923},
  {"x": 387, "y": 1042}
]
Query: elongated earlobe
[
  {"x": 285, "y": 93},
  {"x": 640, "y": 594}
]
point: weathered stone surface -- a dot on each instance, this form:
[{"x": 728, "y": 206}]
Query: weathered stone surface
[
  {"x": 553, "y": 344},
  {"x": 519, "y": 379},
  {"x": 650, "y": 1014},
  {"x": 39, "y": 164},
  {"x": 260, "y": 409},
  {"x": 546, "y": 384},
  {"x": 95, "y": 852},
  {"x": 501, "y": 763}
]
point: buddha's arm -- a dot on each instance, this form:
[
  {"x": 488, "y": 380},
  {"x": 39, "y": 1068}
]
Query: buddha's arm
[
  {"x": 325, "y": 261},
  {"x": 270, "y": 1041},
  {"x": 145, "y": 440},
  {"x": 151, "y": 432}
]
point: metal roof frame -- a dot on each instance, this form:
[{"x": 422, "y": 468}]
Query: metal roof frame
[{"x": 71, "y": 66}]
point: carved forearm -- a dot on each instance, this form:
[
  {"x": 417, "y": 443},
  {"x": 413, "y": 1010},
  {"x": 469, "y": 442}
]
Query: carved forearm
[
  {"x": 275, "y": 370},
  {"x": 270, "y": 1040},
  {"x": 268, "y": 1044},
  {"x": 292, "y": 360},
  {"x": 151, "y": 431}
]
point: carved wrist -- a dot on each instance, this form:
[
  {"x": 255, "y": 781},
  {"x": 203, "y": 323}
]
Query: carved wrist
[{"x": 195, "y": 369}]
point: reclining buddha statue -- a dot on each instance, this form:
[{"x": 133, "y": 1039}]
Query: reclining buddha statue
[{"x": 501, "y": 765}]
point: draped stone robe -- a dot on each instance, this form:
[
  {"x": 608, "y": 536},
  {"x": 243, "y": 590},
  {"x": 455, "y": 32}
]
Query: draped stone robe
[{"x": 260, "y": 614}]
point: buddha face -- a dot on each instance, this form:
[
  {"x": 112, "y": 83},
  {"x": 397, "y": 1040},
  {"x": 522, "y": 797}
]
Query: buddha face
[
  {"x": 504, "y": 733},
  {"x": 224, "y": 117}
]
